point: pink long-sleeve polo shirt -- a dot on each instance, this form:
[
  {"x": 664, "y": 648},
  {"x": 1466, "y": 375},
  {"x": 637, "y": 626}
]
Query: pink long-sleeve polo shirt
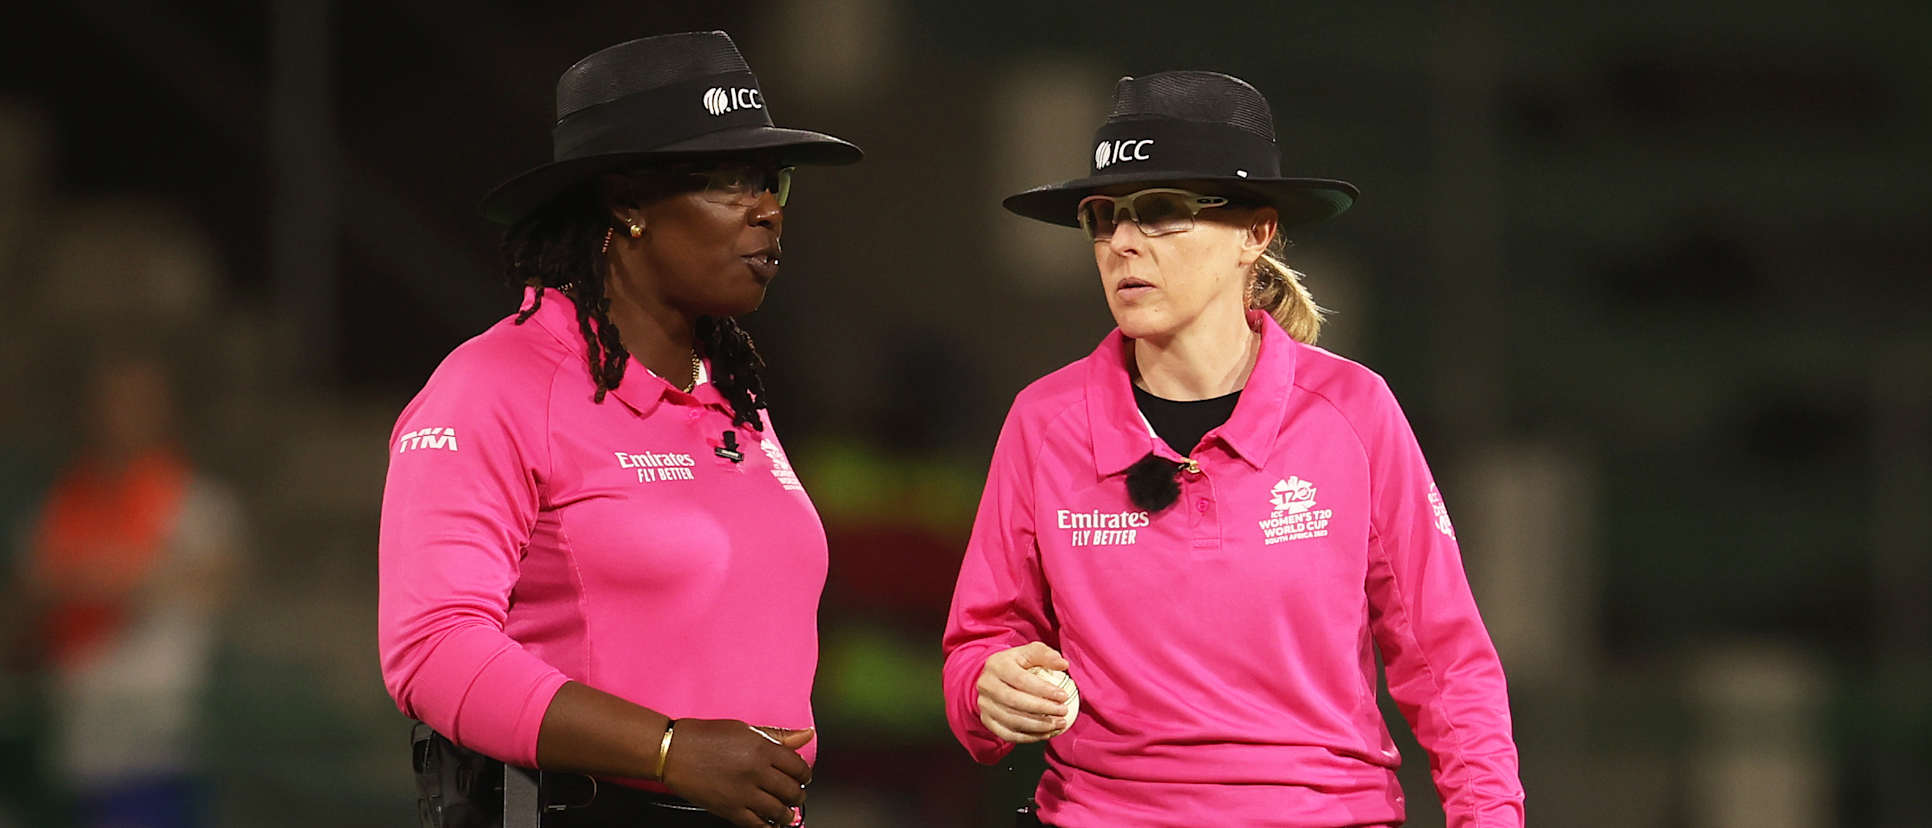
[
  {"x": 532, "y": 536},
  {"x": 1225, "y": 647}
]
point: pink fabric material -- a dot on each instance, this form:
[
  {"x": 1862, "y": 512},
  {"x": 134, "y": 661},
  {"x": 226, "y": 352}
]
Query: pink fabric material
[
  {"x": 531, "y": 536},
  {"x": 1222, "y": 675}
]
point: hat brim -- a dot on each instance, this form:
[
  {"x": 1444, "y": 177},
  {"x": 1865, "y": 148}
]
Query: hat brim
[
  {"x": 1298, "y": 200},
  {"x": 518, "y": 197}
]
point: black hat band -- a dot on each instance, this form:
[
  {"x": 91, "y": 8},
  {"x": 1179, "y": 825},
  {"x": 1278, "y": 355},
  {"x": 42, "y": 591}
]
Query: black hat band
[
  {"x": 1169, "y": 145},
  {"x": 657, "y": 117}
]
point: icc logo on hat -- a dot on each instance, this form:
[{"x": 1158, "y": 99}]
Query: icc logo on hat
[
  {"x": 719, "y": 100},
  {"x": 1110, "y": 153}
]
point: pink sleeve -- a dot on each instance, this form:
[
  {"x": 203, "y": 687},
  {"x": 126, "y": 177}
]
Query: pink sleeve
[
  {"x": 458, "y": 507},
  {"x": 1442, "y": 669},
  {"x": 1000, "y": 599}
]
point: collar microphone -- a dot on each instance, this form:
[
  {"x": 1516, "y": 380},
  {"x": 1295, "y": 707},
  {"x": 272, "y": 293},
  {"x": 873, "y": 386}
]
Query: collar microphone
[{"x": 729, "y": 450}]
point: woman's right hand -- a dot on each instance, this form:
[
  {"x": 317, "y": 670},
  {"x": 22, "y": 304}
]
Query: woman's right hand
[
  {"x": 1019, "y": 706},
  {"x": 736, "y": 773}
]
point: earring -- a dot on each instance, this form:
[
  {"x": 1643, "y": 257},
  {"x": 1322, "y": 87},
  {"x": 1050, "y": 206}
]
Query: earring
[
  {"x": 606, "y": 247},
  {"x": 636, "y": 229}
]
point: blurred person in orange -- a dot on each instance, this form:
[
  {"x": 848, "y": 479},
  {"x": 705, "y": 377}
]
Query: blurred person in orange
[{"x": 129, "y": 558}]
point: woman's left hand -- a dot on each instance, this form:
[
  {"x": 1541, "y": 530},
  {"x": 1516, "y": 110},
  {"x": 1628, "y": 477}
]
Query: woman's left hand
[
  {"x": 1017, "y": 705},
  {"x": 738, "y": 772}
]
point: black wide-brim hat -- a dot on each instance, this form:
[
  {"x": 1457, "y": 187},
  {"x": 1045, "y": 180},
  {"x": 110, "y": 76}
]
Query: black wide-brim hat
[
  {"x": 654, "y": 100},
  {"x": 1204, "y": 131}
]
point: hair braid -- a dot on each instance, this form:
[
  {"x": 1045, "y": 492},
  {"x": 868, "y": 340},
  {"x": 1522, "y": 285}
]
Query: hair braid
[
  {"x": 559, "y": 247},
  {"x": 736, "y": 367}
]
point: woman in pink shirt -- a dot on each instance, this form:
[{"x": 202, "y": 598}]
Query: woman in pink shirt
[
  {"x": 1214, "y": 526},
  {"x": 595, "y": 556}
]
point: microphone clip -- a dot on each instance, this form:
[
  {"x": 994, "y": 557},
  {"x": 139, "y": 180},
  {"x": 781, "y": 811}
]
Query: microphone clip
[{"x": 729, "y": 450}]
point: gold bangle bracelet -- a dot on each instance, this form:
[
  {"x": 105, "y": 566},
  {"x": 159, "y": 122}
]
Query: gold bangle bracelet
[{"x": 664, "y": 749}]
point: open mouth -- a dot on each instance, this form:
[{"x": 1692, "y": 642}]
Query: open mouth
[{"x": 764, "y": 263}]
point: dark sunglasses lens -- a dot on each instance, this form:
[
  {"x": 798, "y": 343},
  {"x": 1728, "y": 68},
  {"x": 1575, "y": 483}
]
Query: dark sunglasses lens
[
  {"x": 1097, "y": 217},
  {"x": 1162, "y": 213},
  {"x": 724, "y": 184},
  {"x": 741, "y": 183}
]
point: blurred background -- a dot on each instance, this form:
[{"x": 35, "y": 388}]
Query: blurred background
[{"x": 1649, "y": 278}]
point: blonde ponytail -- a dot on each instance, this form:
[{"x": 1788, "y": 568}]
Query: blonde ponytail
[{"x": 1278, "y": 289}]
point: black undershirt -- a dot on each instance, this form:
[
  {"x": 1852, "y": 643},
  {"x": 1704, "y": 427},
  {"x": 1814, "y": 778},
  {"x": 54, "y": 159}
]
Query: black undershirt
[{"x": 1181, "y": 425}]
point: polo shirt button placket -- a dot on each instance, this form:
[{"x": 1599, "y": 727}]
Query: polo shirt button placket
[
  {"x": 1206, "y": 544},
  {"x": 1194, "y": 477}
]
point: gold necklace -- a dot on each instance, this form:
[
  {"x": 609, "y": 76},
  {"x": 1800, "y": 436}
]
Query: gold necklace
[{"x": 697, "y": 367}]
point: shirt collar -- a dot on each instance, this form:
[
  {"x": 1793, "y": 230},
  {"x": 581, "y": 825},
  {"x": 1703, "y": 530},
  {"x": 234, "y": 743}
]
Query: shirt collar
[
  {"x": 642, "y": 390},
  {"x": 1121, "y": 435}
]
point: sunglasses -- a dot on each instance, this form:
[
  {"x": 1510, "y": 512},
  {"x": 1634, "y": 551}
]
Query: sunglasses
[
  {"x": 738, "y": 185},
  {"x": 1157, "y": 212}
]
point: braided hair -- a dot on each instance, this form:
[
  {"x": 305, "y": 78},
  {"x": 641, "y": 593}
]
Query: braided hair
[{"x": 559, "y": 246}]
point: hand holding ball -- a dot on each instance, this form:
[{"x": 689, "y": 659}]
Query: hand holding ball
[
  {"x": 1025, "y": 694},
  {"x": 1060, "y": 679}
]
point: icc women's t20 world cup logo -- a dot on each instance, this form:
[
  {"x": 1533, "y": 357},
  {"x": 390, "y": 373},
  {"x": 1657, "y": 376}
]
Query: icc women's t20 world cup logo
[
  {"x": 1295, "y": 516},
  {"x": 1294, "y": 496}
]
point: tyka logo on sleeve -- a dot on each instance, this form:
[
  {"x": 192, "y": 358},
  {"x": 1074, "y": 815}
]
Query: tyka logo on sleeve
[{"x": 427, "y": 438}]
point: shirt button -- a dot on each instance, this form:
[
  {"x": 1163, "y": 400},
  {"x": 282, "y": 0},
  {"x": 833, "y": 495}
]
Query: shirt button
[
  {"x": 1202, "y": 505},
  {"x": 692, "y": 415}
]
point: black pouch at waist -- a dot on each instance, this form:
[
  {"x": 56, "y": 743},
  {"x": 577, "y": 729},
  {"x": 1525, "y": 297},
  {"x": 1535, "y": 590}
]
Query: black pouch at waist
[
  {"x": 460, "y": 788},
  {"x": 455, "y": 787}
]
